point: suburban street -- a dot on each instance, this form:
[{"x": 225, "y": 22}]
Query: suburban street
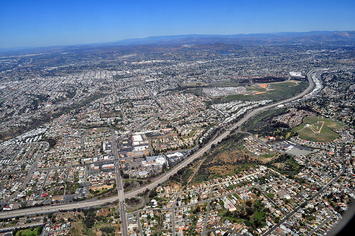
[
  {"x": 120, "y": 189},
  {"x": 302, "y": 205}
]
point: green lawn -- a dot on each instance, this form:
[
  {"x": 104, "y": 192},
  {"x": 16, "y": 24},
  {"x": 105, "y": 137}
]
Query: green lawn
[
  {"x": 318, "y": 129},
  {"x": 29, "y": 232}
]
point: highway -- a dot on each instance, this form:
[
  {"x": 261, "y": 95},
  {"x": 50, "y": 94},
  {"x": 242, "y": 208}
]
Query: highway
[
  {"x": 161, "y": 179},
  {"x": 21, "y": 226}
]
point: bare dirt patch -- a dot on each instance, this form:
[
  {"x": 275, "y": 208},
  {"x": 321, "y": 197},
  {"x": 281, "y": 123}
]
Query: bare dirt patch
[{"x": 264, "y": 86}]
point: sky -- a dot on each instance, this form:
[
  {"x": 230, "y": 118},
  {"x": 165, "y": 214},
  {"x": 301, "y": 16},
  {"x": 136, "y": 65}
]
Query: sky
[{"x": 35, "y": 23}]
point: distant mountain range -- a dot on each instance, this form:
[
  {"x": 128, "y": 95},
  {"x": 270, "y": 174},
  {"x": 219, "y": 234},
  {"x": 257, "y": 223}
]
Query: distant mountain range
[
  {"x": 314, "y": 37},
  {"x": 323, "y": 38}
]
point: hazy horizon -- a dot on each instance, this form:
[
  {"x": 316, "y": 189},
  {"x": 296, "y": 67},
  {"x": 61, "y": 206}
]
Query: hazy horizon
[{"x": 28, "y": 24}]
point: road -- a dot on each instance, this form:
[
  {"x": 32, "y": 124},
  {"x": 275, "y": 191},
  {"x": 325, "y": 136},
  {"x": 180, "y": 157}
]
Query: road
[
  {"x": 120, "y": 190},
  {"x": 291, "y": 213},
  {"x": 161, "y": 179},
  {"x": 21, "y": 226},
  {"x": 37, "y": 149}
]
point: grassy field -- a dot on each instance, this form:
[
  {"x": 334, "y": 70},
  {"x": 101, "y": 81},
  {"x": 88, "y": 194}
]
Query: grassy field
[
  {"x": 318, "y": 129},
  {"x": 29, "y": 232},
  {"x": 274, "y": 91}
]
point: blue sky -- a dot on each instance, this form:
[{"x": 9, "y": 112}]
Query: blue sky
[{"x": 32, "y": 23}]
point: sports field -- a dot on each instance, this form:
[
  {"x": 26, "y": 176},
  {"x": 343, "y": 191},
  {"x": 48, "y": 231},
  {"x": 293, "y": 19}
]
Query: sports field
[
  {"x": 318, "y": 129},
  {"x": 264, "y": 91}
]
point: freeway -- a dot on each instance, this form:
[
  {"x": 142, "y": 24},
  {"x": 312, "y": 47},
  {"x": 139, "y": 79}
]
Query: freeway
[
  {"x": 161, "y": 179},
  {"x": 21, "y": 226}
]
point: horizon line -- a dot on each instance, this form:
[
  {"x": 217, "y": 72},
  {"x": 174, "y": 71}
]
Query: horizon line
[{"x": 157, "y": 36}]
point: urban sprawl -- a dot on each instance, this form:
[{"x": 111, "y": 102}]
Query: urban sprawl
[{"x": 205, "y": 139}]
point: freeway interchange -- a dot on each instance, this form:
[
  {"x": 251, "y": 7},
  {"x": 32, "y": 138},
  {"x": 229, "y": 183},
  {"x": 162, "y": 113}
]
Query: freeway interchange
[{"x": 313, "y": 82}]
